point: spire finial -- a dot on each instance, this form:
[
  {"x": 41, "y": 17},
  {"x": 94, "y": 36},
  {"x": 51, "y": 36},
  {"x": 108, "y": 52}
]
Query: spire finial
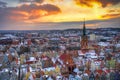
[{"x": 84, "y": 28}]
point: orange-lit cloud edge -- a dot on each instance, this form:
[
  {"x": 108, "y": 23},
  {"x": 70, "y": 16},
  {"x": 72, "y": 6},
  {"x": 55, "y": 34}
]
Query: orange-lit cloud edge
[
  {"x": 66, "y": 11},
  {"x": 35, "y": 16}
]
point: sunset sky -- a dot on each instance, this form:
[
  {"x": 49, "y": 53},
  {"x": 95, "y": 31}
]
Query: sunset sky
[{"x": 58, "y": 14}]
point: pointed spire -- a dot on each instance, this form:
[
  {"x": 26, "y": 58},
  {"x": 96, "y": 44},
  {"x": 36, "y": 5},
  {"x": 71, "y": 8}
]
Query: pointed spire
[{"x": 84, "y": 28}]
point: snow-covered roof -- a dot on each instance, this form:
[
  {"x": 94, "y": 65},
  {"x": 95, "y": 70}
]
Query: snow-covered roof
[
  {"x": 32, "y": 59},
  {"x": 49, "y": 69},
  {"x": 103, "y": 44},
  {"x": 9, "y": 35},
  {"x": 80, "y": 52},
  {"x": 76, "y": 70},
  {"x": 94, "y": 57},
  {"x": 0, "y": 65},
  {"x": 91, "y": 52},
  {"x": 117, "y": 45}
]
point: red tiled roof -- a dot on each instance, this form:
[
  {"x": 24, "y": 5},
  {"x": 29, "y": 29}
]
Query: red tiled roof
[
  {"x": 63, "y": 57},
  {"x": 30, "y": 62},
  {"x": 99, "y": 71}
]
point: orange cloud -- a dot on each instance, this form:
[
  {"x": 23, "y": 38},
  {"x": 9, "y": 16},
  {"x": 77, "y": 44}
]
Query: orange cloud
[
  {"x": 108, "y": 16},
  {"x": 113, "y": 11},
  {"x": 18, "y": 16},
  {"x": 60, "y": 11},
  {"x": 86, "y": 3},
  {"x": 27, "y": 12},
  {"x": 89, "y": 3},
  {"x": 91, "y": 25},
  {"x": 37, "y": 13}
]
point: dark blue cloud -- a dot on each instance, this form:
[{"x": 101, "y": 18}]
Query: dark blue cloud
[
  {"x": 106, "y": 2},
  {"x": 3, "y": 4},
  {"x": 38, "y": 1}
]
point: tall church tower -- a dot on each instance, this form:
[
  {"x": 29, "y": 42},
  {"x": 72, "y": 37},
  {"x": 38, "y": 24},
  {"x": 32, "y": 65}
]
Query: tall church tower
[{"x": 84, "y": 41}]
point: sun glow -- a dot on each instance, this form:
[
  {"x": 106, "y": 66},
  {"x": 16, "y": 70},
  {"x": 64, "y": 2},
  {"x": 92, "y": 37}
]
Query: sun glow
[{"x": 69, "y": 11}]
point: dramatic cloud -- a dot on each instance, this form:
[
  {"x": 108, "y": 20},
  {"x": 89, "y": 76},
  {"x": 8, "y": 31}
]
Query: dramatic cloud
[
  {"x": 39, "y": 1},
  {"x": 46, "y": 7},
  {"x": 107, "y": 16},
  {"x": 32, "y": 12},
  {"x": 27, "y": 12},
  {"x": 108, "y": 2},
  {"x": 91, "y": 3},
  {"x": 3, "y": 4},
  {"x": 113, "y": 11}
]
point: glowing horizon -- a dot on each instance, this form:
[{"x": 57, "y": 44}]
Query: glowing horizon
[{"x": 39, "y": 11}]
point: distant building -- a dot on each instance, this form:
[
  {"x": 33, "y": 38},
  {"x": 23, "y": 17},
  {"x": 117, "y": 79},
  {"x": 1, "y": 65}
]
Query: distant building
[{"x": 92, "y": 37}]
